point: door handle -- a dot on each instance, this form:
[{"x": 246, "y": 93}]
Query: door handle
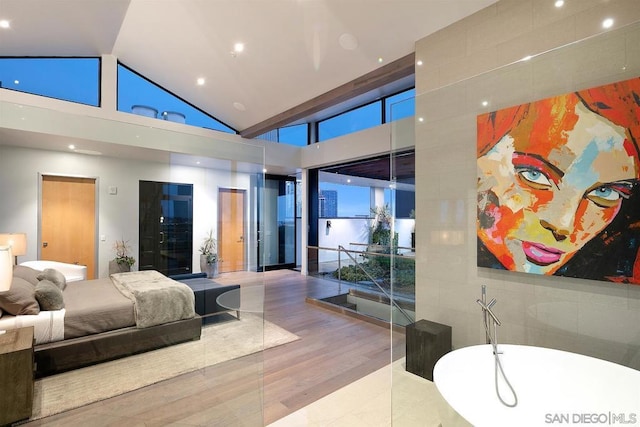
[
  {"x": 162, "y": 237},
  {"x": 45, "y": 244}
]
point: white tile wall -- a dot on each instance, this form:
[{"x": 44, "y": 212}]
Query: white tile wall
[{"x": 469, "y": 62}]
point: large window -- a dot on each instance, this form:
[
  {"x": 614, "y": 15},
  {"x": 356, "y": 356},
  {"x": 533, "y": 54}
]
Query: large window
[
  {"x": 360, "y": 118},
  {"x": 292, "y": 135},
  {"x": 138, "y": 95},
  {"x": 344, "y": 201},
  {"x": 400, "y": 105},
  {"x": 396, "y": 107},
  {"x": 68, "y": 79}
]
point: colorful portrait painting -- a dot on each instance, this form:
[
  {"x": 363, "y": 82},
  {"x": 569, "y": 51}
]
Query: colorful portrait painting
[{"x": 558, "y": 185}]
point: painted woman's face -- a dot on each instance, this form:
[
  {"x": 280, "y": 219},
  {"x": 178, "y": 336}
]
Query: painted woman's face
[{"x": 540, "y": 201}]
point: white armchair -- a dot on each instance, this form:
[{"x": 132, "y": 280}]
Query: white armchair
[{"x": 71, "y": 272}]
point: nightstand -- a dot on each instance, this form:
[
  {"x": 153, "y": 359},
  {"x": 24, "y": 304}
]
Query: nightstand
[{"x": 16, "y": 371}]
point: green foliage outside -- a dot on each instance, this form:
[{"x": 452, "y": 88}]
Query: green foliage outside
[{"x": 379, "y": 267}]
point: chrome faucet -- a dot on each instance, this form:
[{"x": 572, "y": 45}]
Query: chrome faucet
[
  {"x": 487, "y": 312},
  {"x": 493, "y": 341}
]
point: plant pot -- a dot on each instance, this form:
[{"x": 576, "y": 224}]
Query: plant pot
[
  {"x": 210, "y": 268},
  {"x": 115, "y": 267}
]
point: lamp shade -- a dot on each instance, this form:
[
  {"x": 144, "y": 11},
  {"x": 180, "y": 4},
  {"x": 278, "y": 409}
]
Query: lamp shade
[
  {"x": 17, "y": 241},
  {"x": 6, "y": 268}
]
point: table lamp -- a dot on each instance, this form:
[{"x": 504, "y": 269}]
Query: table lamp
[
  {"x": 17, "y": 241},
  {"x": 6, "y": 268}
]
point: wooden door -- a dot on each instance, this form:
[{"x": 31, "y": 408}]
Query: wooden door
[
  {"x": 68, "y": 221},
  {"x": 231, "y": 230}
]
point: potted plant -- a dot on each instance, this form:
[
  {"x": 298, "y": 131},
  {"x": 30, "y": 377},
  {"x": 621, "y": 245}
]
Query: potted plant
[
  {"x": 380, "y": 231},
  {"x": 123, "y": 261},
  {"x": 209, "y": 255}
]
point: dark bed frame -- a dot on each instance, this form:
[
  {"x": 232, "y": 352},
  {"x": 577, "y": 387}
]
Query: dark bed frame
[
  {"x": 66, "y": 355},
  {"x": 61, "y": 356}
]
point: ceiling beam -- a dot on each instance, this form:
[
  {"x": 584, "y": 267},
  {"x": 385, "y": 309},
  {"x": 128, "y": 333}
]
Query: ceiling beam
[{"x": 382, "y": 76}]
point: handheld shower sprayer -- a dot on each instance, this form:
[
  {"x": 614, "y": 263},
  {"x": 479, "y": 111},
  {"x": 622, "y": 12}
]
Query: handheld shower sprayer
[{"x": 488, "y": 313}]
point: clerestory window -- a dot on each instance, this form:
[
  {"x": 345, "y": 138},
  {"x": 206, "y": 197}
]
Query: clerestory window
[
  {"x": 138, "y": 95},
  {"x": 68, "y": 79}
]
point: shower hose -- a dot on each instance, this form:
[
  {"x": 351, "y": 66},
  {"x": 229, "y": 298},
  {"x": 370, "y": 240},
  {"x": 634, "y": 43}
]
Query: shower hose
[{"x": 498, "y": 367}]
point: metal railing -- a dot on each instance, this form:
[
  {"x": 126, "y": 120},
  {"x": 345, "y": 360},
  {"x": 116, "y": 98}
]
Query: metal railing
[
  {"x": 375, "y": 282},
  {"x": 352, "y": 255}
]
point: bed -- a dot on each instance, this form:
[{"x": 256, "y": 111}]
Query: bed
[{"x": 99, "y": 320}]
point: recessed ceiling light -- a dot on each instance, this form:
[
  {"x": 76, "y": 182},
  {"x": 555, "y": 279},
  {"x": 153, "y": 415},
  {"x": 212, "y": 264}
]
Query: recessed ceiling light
[
  {"x": 238, "y": 47},
  {"x": 264, "y": 170},
  {"x": 72, "y": 147},
  {"x": 419, "y": 63},
  {"x": 607, "y": 23},
  {"x": 485, "y": 103},
  {"x": 380, "y": 59},
  {"x": 348, "y": 41},
  {"x": 421, "y": 119},
  {"x": 559, "y": 3},
  {"x": 4, "y": 23},
  {"x": 348, "y": 180},
  {"x": 239, "y": 106},
  {"x": 200, "y": 81}
]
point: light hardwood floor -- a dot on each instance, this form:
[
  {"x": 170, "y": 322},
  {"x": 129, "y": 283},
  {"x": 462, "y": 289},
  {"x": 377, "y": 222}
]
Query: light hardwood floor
[{"x": 333, "y": 351}]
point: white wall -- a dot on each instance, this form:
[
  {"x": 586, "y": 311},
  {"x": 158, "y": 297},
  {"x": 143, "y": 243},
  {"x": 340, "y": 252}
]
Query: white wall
[
  {"x": 345, "y": 231},
  {"x": 469, "y": 62},
  {"x": 118, "y": 214},
  {"x": 398, "y": 135}
]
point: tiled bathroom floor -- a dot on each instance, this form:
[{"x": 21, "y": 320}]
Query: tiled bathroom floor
[{"x": 388, "y": 394}]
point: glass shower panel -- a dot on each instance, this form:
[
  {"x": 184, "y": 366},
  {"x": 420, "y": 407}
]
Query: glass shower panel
[{"x": 446, "y": 251}]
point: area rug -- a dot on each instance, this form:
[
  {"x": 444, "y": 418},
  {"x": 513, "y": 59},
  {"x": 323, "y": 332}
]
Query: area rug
[{"x": 219, "y": 343}]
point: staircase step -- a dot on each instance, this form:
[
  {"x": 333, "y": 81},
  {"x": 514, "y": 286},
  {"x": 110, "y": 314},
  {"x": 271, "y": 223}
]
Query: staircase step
[{"x": 348, "y": 305}]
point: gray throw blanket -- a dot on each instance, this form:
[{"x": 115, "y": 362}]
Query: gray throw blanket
[{"x": 157, "y": 299}]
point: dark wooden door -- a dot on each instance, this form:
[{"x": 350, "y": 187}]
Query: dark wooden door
[{"x": 166, "y": 227}]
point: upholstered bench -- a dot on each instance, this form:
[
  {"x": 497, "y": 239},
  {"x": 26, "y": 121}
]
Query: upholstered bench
[{"x": 206, "y": 292}]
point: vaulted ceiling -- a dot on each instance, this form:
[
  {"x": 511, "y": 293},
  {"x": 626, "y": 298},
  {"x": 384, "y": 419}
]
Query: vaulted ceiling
[{"x": 295, "y": 50}]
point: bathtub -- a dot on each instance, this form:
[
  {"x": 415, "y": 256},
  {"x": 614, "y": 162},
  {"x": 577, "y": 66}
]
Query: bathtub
[{"x": 553, "y": 387}]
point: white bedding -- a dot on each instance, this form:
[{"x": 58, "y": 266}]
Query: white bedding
[
  {"x": 48, "y": 325},
  {"x": 71, "y": 272}
]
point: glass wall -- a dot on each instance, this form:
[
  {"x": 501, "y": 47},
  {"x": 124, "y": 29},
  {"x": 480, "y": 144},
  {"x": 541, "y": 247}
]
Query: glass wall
[
  {"x": 229, "y": 313},
  {"x": 587, "y": 317}
]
